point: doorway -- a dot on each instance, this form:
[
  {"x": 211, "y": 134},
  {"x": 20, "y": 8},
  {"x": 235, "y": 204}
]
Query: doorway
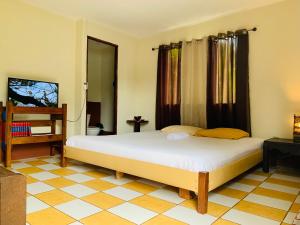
[{"x": 101, "y": 100}]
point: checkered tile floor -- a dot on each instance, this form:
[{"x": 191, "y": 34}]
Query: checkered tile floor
[{"x": 85, "y": 194}]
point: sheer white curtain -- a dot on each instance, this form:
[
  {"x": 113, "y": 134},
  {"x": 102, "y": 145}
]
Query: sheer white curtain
[{"x": 193, "y": 83}]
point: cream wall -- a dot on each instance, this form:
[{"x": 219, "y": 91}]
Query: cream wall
[
  {"x": 35, "y": 44},
  {"x": 127, "y": 47},
  {"x": 274, "y": 65}
]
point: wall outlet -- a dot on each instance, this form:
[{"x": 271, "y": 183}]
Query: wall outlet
[{"x": 85, "y": 85}]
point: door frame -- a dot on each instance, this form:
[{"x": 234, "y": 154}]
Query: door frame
[{"x": 116, "y": 47}]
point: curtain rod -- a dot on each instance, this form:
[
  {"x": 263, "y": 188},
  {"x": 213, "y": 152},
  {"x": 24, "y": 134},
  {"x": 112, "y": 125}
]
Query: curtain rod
[{"x": 253, "y": 29}]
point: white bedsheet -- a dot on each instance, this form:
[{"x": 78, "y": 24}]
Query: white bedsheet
[{"x": 192, "y": 153}]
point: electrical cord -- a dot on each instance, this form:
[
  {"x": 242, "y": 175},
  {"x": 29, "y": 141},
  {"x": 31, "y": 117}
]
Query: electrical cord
[{"x": 78, "y": 118}]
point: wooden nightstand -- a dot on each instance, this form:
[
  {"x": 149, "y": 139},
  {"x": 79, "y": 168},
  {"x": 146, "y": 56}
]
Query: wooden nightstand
[{"x": 279, "y": 144}]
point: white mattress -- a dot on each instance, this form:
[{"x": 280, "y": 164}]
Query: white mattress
[{"x": 192, "y": 153}]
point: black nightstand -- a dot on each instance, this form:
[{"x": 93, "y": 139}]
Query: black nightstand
[{"x": 279, "y": 144}]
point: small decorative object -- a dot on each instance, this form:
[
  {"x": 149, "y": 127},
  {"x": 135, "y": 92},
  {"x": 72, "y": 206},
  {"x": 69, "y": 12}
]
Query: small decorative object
[
  {"x": 137, "y": 121},
  {"x": 137, "y": 118},
  {"x": 296, "y": 128}
]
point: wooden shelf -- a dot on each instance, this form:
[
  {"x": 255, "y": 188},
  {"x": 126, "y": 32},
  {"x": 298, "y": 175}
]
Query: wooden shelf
[
  {"x": 37, "y": 139},
  {"x": 37, "y": 110},
  {"x": 55, "y": 114}
]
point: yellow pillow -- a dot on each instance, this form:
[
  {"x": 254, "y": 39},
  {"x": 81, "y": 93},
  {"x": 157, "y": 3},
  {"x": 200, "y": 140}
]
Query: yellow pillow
[
  {"x": 225, "y": 133},
  {"x": 180, "y": 128}
]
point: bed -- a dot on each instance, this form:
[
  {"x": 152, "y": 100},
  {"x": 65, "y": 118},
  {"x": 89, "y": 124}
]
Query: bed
[{"x": 193, "y": 164}]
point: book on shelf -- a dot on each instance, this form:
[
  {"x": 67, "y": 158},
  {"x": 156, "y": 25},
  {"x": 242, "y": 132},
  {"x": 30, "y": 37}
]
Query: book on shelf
[{"x": 21, "y": 129}]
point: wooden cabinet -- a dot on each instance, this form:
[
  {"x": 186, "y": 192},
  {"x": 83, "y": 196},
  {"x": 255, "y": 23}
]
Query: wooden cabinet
[{"x": 55, "y": 114}]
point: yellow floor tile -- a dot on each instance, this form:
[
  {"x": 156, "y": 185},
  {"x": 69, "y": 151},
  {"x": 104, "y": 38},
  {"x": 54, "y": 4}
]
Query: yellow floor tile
[
  {"x": 30, "y": 170},
  {"x": 261, "y": 210},
  {"x": 54, "y": 197},
  {"x": 37, "y": 163},
  {"x": 213, "y": 209},
  {"x": 59, "y": 182},
  {"x": 103, "y": 200},
  {"x": 283, "y": 182},
  {"x": 140, "y": 187},
  {"x": 274, "y": 194},
  {"x": 99, "y": 185},
  {"x": 249, "y": 182},
  {"x": 63, "y": 172},
  {"x": 49, "y": 216},
  {"x": 295, "y": 208},
  {"x": 231, "y": 192},
  {"x": 224, "y": 222},
  {"x": 191, "y": 203},
  {"x": 96, "y": 174},
  {"x": 216, "y": 210},
  {"x": 163, "y": 220},
  {"x": 30, "y": 180},
  {"x": 105, "y": 218},
  {"x": 152, "y": 203}
]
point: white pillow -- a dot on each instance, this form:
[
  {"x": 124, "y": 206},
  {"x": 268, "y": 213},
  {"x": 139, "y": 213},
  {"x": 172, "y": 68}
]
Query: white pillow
[{"x": 177, "y": 136}]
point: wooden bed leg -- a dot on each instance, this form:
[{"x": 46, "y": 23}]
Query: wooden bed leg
[
  {"x": 119, "y": 175},
  {"x": 63, "y": 159},
  {"x": 203, "y": 181},
  {"x": 186, "y": 194}
]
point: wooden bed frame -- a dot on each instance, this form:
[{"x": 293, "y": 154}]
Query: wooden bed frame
[{"x": 199, "y": 182}]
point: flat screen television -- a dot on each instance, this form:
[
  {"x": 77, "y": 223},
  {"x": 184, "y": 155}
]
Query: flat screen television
[{"x": 32, "y": 93}]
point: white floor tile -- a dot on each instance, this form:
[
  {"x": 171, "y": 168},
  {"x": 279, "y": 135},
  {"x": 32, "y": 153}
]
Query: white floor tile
[
  {"x": 34, "y": 205},
  {"x": 79, "y": 168},
  {"x": 52, "y": 160},
  {"x": 189, "y": 216},
  {"x": 49, "y": 167},
  {"x": 268, "y": 201},
  {"x": 76, "y": 223},
  {"x": 43, "y": 176},
  {"x": 241, "y": 187},
  {"x": 255, "y": 177},
  {"x": 78, "y": 209},
  {"x": 29, "y": 159},
  {"x": 247, "y": 218},
  {"x": 78, "y": 190},
  {"x": 112, "y": 179},
  {"x": 289, "y": 218},
  {"x": 20, "y": 165},
  {"x": 286, "y": 177},
  {"x": 133, "y": 213},
  {"x": 222, "y": 199},
  {"x": 152, "y": 183},
  {"x": 79, "y": 178},
  {"x": 38, "y": 187},
  {"x": 282, "y": 188},
  {"x": 123, "y": 193},
  {"x": 167, "y": 195}
]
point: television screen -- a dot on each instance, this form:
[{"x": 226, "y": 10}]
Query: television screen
[{"x": 31, "y": 93}]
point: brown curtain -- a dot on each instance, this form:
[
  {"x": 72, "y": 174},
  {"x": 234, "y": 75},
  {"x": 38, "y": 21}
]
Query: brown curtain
[
  {"x": 228, "y": 103},
  {"x": 168, "y": 86}
]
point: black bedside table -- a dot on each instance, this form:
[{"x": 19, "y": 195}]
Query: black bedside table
[{"x": 279, "y": 144}]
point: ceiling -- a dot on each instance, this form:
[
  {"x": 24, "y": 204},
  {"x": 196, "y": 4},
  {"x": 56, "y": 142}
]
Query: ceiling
[{"x": 146, "y": 17}]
